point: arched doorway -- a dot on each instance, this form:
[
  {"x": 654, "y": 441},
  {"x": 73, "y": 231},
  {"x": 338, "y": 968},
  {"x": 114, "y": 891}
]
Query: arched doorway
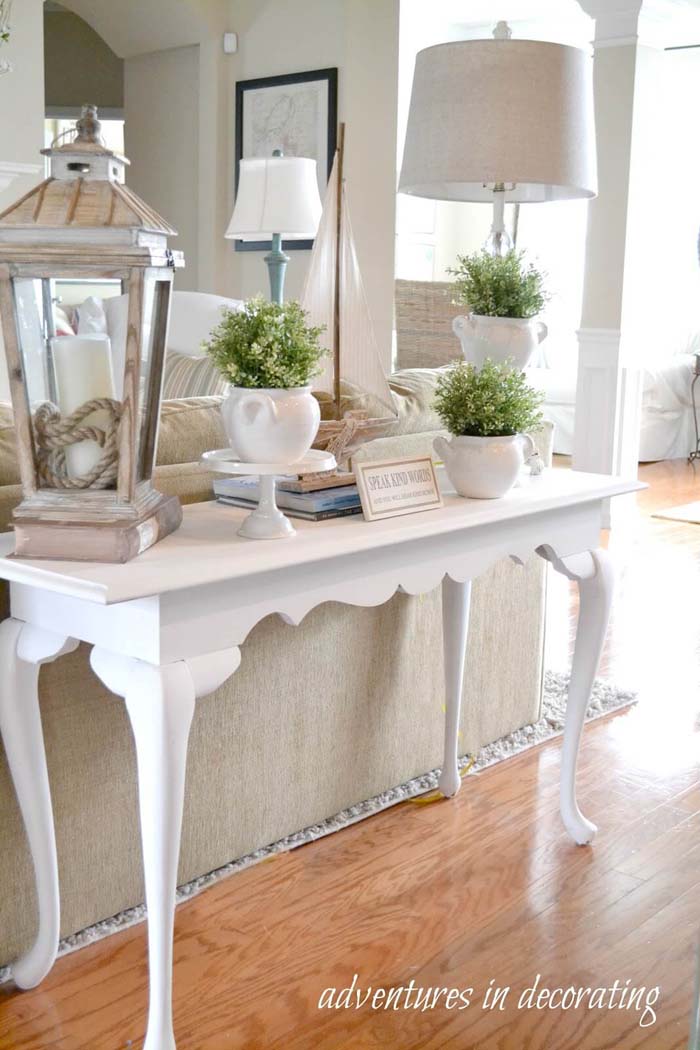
[{"x": 140, "y": 65}]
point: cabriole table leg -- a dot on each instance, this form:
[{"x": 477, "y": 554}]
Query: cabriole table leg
[
  {"x": 23, "y": 649},
  {"x": 160, "y": 703},
  {"x": 456, "y": 598},
  {"x": 594, "y": 575}
]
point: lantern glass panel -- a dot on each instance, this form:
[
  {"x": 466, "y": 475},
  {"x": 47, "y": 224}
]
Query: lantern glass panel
[
  {"x": 155, "y": 319},
  {"x": 65, "y": 370},
  {"x": 32, "y": 295}
]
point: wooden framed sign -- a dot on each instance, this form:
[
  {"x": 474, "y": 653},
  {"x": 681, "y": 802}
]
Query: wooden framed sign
[{"x": 390, "y": 487}]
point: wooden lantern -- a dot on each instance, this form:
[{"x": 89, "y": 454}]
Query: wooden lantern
[{"x": 86, "y": 403}]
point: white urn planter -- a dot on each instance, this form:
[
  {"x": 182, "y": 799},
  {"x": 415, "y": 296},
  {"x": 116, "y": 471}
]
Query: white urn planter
[
  {"x": 484, "y": 467},
  {"x": 271, "y": 426},
  {"x": 499, "y": 338}
]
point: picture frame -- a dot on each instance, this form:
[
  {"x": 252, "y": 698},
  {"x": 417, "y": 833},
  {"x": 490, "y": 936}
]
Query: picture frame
[
  {"x": 389, "y": 488},
  {"x": 294, "y": 112}
]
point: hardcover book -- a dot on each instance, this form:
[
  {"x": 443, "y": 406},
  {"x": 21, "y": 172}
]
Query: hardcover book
[
  {"x": 247, "y": 488},
  {"x": 307, "y": 515}
]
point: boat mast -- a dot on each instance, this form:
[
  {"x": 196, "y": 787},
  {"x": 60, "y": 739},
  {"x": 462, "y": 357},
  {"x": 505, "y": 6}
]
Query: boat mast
[{"x": 336, "y": 300}]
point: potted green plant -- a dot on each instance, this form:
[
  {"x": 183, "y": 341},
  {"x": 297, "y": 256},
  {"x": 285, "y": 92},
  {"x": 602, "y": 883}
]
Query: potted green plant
[
  {"x": 487, "y": 411},
  {"x": 269, "y": 354},
  {"x": 504, "y": 295}
]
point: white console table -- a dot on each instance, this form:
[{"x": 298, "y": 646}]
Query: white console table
[{"x": 167, "y": 627}]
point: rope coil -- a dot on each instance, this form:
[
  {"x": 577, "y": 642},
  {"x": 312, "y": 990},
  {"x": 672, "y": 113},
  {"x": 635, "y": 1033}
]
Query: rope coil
[{"x": 55, "y": 433}]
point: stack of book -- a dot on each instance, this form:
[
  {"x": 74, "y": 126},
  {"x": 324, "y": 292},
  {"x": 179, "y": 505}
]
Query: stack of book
[{"x": 313, "y": 506}]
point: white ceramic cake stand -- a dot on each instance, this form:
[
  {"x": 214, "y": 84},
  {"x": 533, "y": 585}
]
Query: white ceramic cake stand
[{"x": 267, "y": 522}]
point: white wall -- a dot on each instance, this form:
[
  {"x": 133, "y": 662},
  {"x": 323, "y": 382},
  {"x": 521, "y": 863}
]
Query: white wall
[
  {"x": 22, "y": 96},
  {"x": 670, "y": 217},
  {"x": 360, "y": 37},
  {"x": 174, "y": 121},
  {"x": 161, "y": 122},
  {"x": 79, "y": 67},
  {"x": 136, "y": 27},
  {"x": 22, "y": 111}
]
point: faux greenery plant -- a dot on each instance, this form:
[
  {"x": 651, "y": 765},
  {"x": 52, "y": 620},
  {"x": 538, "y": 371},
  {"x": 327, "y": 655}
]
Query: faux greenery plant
[
  {"x": 266, "y": 345},
  {"x": 5, "y": 11},
  {"x": 499, "y": 286},
  {"x": 492, "y": 401}
]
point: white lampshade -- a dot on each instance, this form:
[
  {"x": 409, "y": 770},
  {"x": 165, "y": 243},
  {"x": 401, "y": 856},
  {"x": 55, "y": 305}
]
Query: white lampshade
[
  {"x": 276, "y": 195},
  {"x": 518, "y": 112}
]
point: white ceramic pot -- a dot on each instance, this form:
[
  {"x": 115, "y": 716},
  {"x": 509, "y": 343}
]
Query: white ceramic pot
[
  {"x": 484, "y": 467},
  {"x": 499, "y": 338},
  {"x": 271, "y": 426}
]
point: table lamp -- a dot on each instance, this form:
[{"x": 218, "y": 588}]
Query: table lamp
[
  {"x": 500, "y": 120},
  {"x": 277, "y": 200}
]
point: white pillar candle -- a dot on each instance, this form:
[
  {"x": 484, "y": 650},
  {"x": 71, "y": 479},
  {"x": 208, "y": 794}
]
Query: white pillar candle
[{"x": 82, "y": 366}]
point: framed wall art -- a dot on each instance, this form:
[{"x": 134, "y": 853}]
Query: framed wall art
[{"x": 295, "y": 112}]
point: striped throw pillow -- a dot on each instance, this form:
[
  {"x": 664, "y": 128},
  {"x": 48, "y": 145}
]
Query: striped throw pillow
[{"x": 191, "y": 377}]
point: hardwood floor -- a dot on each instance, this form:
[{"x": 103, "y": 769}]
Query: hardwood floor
[{"x": 456, "y": 894}]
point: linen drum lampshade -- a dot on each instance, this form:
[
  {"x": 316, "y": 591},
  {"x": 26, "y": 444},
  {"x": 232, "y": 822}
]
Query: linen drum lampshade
[
  {"x": 502, "y": 112},
  {"x": 276, "y": 195}
]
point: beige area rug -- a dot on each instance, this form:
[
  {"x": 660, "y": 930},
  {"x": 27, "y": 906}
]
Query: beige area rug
[
  {"x": 689, "y": 512},
  {"x": 605, "y": 698}
]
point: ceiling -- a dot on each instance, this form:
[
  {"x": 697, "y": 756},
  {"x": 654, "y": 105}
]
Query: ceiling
[
  {"x": 665, "y": 23},
  {"x": 561, "y": 21},
  {"x": 132, "y": 27},
  {"x": 480, "y": 12},
  {"x": 671, "y": 23}
]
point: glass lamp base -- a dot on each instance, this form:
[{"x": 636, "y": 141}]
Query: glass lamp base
[{"x": 498, "y": 243}]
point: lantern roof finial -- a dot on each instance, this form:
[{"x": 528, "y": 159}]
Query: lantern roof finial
[
  {"x": 88, "y": 127},
  {"x": 85, "y": 136}
]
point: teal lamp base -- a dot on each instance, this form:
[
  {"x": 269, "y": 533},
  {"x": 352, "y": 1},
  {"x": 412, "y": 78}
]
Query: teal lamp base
[{"x": 276, "y": 261}]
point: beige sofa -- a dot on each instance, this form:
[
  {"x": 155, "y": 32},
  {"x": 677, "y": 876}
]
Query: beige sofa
[{"x": 317, "y": 717}]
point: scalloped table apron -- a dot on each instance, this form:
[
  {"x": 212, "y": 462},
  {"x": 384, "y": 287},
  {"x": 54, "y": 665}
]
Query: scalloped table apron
[{"x": 166, "y": 629}]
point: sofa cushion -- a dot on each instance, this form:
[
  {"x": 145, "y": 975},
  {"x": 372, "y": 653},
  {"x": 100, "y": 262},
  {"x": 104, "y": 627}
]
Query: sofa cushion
[
  {"x": 9, "y": 469},
  {"x": 186, "y": 376},
  {"x": 189, "y": 427},
  {"x": 413, "y": 390},
  {"x": 421, "y": 444},
  {"x": 193, "y": 316},
  {"x": 116, "y": 311},
  {"x": 10, "y": 497}
]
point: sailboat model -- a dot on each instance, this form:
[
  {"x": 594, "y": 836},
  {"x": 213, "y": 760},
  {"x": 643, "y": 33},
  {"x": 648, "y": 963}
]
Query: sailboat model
[{"x": 334, "y": 298}]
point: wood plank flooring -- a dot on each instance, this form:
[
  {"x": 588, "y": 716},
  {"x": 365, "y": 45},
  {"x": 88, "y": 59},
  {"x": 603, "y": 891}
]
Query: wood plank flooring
[{"x": 456, "y": 894}]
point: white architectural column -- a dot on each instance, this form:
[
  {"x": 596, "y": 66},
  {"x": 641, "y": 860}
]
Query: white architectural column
[
  {"x": 617, "y": 323},
  {"x": 601, "y": 442}
]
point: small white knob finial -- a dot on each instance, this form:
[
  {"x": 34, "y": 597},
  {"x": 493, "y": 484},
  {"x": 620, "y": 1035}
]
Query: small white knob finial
[
  {"x": 88, "y": 128},
  {"x": 502, "y": 31}
]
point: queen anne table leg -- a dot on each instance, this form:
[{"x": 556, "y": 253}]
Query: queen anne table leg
[
  {"x": 23, "y": 649},
  {"x": 593, "y": 573},
  {"x": 160, "y": 703},
  {"x": 456, "y": 599}
]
